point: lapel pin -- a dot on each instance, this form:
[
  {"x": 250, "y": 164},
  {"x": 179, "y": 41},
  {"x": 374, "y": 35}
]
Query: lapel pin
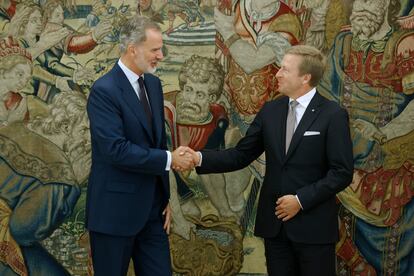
[{"x": 313, "y": 110}]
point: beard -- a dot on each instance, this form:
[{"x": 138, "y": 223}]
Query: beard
[
  {"x": 366, "y": 22},
  {"x": 151, "y": 70},
  {"x": 148, "y": 69},
  {"x": 190, "y": 113},
  {"x": 145, "y": 65}
]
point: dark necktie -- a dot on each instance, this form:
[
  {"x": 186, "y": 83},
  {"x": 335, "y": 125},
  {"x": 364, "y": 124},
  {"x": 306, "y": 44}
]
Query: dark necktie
[
  {"x": 290, "y": 123},
  {"x": 144, "y": 101}
]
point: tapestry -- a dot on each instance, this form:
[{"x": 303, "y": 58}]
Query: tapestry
[{"x": 219, "y": 67}]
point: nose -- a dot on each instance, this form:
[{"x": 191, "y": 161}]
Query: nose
[
  {"x": 160, "y": 55},
  {"x": 279, "y": 73},
  {"x": 190, "y": 97}
]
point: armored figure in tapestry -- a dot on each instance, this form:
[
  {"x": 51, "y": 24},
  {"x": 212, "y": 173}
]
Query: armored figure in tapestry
[
  {"x": 371, "y": 74},
  {"x": 254, "y": 36},
  {"x": 194, "y": 119}
]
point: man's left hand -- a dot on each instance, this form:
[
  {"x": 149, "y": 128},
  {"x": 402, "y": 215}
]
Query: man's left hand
[
  {"x": 167, "y": 215},
  {"x": 287, "y": 207}
]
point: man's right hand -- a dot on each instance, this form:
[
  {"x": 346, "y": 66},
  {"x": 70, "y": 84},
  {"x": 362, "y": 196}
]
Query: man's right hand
[{"x": 183, "y": 159}]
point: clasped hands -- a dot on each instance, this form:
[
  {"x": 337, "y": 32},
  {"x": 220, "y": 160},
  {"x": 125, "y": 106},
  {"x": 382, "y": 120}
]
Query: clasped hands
[{"x": 184, "y": 159}]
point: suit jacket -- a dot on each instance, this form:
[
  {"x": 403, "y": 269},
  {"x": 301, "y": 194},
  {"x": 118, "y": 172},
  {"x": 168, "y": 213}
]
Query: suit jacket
[
  {"x": 128, "y": 155},
  {"x": 316, "y": 167}
]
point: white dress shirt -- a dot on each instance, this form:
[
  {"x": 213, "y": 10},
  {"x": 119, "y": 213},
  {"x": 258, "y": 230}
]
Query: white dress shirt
[{"x": 303, "y": 101}]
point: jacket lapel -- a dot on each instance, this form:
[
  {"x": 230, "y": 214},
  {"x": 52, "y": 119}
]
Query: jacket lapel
[
  {"x": 131, "y": 99},
  {"x": 311, "y": 113},
  {"x": 281, "y": 126}
]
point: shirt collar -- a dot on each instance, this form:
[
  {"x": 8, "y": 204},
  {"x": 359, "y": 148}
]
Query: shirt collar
[
  {"x": 304, "y": 100},
  {"x": 131, "y": 76}
]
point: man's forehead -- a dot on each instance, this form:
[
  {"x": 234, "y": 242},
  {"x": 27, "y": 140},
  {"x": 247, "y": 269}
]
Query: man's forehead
[
  {"x": 288, "y": 59},
  {"x": 151, "y": 32}
]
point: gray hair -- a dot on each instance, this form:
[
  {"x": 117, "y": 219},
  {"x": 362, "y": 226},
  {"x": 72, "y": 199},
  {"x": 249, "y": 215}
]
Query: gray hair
[{"x": 133, "y": 31}]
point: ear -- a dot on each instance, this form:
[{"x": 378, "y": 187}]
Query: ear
[
  {"x": 306, "y": 78},
  {"x": 132, "y": 49}
]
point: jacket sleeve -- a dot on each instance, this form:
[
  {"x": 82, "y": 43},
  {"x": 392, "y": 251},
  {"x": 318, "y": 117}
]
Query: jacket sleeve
[
  {"x": 340, "y": 164},
  {"x": 246, "y": 151}
]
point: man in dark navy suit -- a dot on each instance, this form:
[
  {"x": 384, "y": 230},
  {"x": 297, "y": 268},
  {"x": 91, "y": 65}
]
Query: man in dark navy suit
[
  {"x": 128, "y": 215},
  {"x": 309, "y": 159}
]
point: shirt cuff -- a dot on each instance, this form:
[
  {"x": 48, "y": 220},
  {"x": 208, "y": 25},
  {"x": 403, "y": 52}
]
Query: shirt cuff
[
  {"x": 168, "y": 165},
  {"x": 297, "y": 198},
  {"x": 201, "y": 159}
]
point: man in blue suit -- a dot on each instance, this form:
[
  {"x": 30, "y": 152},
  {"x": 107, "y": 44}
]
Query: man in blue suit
[{"x": 128, "y": 188}]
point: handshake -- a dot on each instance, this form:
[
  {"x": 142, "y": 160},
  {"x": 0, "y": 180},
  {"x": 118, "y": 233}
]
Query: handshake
[{"x": 184, "y": 159}]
